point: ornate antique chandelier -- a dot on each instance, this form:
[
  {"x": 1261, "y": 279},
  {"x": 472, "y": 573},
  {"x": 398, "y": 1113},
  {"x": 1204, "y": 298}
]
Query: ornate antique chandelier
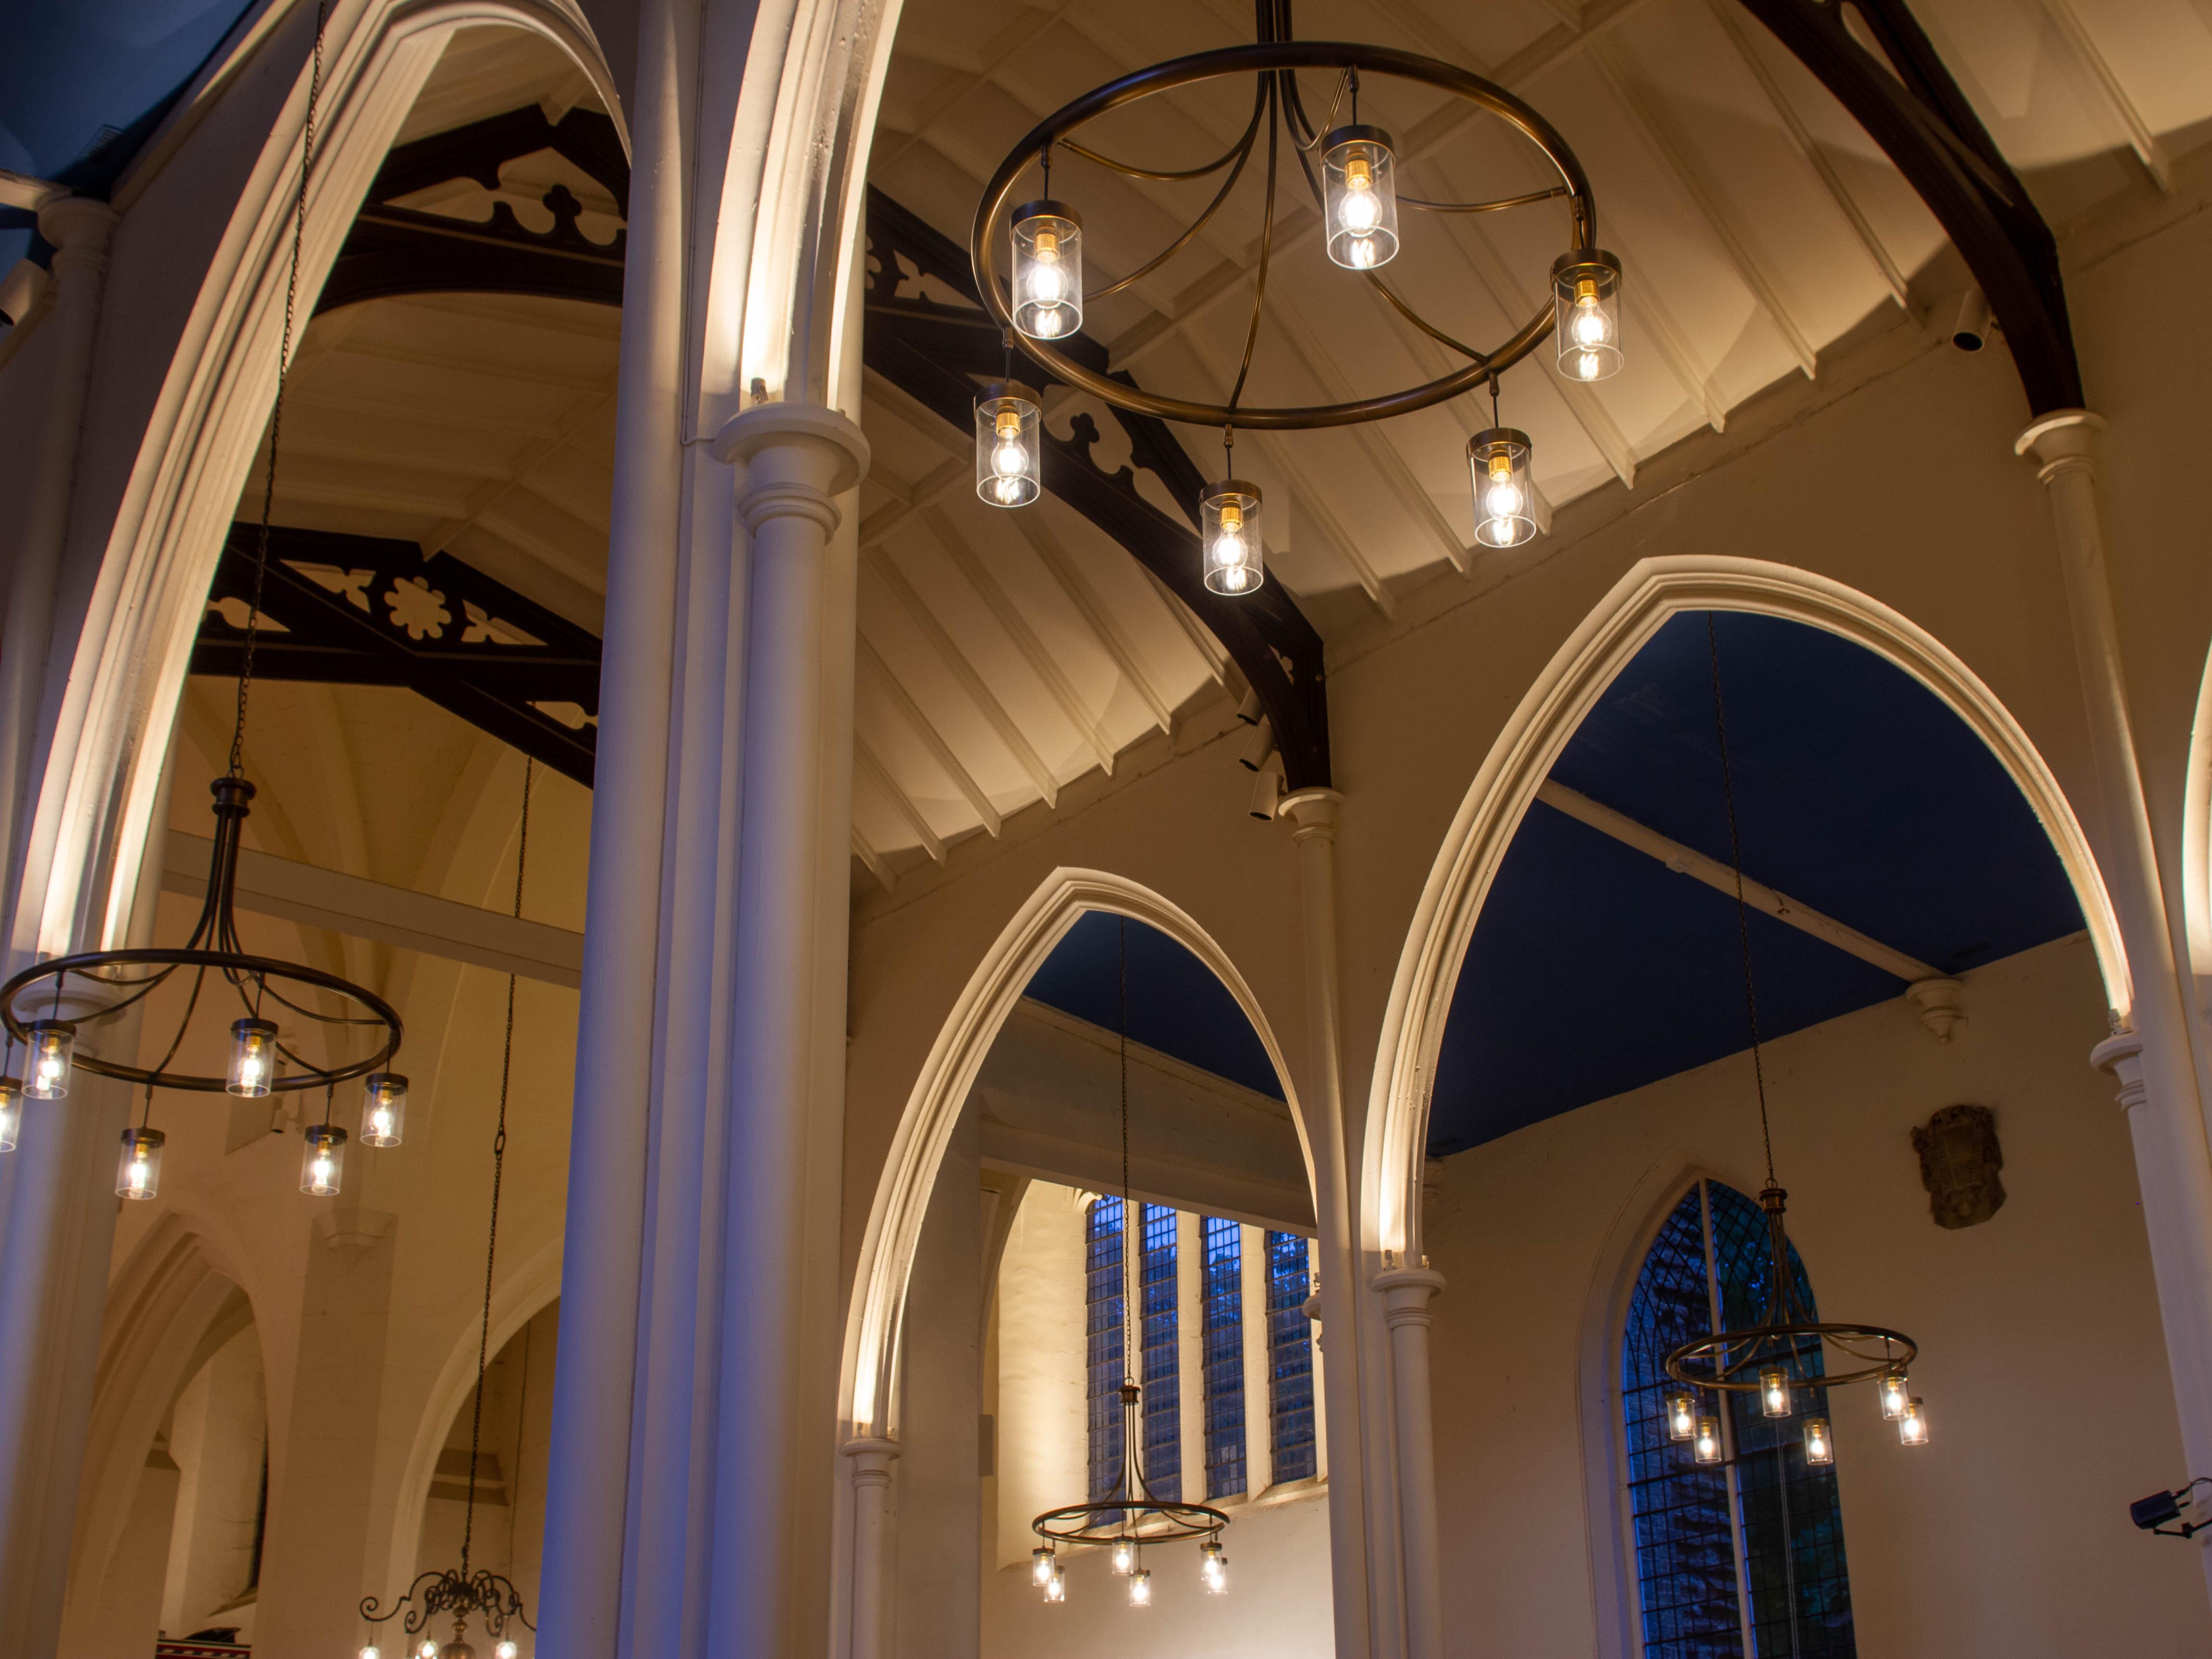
[
  {"x": 1786, "y": 1352},
  {"x": 1351, "y": 173},
  {"x": 49, "y": 1006},
  {"x": 487, "y": 1596},
  {"x": 1131, "y": 1516}
]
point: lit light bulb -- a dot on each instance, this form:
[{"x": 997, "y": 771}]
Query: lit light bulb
[
  {"x": 1681, "y": 1416},
  {"x": 1819, "y": 1448},
  {"x": 505, "y": 1649},
  {"x": 1895, "y": 1396},
  {"x": 1125, "y": 1555},
  {"x": 141, "y": 1175},
  {"x": 1048, "y": 279},
  {"x": 321, "y": 1168},
  {"x": 1009, "y": 459},
  {"x": 1591, "y": 326},
  {"x": 384, "y": 1109},
  {"x": 52, "y": 1068},
  {"x": 379, "y": 1122},
  {"x": 1361, "y": 211},
  {"x": 1912, "y": 1424},
  {"x": 252, "y": 1056},
  {"x": 1055, "y": 1589},
  {"x": 11, "y": 1113},
  {"x": 1503, "y": 499},
  {"x": 1048, "y": 323},
  {"x": 53, "y": 1043},
  {"x": 1708, "y": 1446},
  {"x": 1588, "y": 366},
  {"x": 1360, "y": 250},
  {"x": 1140, "y": 1588},
  {"x": 1041, "y": 1566},
  {"x": 1213, "y": 1568},
  {"x": 371, "y": 1651},
  {"x": 1229, "y": 546},
  {"x": 427, "y": 1650},
  {"x": 1774, "y": 1392}
]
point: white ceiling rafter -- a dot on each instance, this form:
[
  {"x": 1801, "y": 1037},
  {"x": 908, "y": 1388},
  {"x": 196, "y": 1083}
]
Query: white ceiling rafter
[
  {"x": 1729, "y": 15},
  {"x": 1650, "y": 127},
  {"x": 867, "y": 765},
  {"x": 986, "y": 701},
  {"x": 864, "y": 850},
  {"x": 1199, "y": 636},
  {"x": 874, "y": 669},
  {"x": 1057, "y": 560},
  {"x": 528, "y": 462},
  {"x": 1009, "y": 616},
  {"x": 2098, "y": 68}
]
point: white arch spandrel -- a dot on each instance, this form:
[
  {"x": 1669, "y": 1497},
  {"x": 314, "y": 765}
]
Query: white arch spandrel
[
  {"x": 869, "y": 1404},
  {"x": 1649, "y": 594}
]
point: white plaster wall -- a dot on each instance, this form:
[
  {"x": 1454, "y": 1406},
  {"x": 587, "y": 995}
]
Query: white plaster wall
[
  {"x": 1042, "y": 1425},
  {"x": 218, "y": 1437},
  {"x": 2008, "y": 1534}
]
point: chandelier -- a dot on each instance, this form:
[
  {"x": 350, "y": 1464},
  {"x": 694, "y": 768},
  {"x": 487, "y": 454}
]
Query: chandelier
[
  {"x": 1351, "y": 173},
  {"x": 1132, "y": 1515},
  {"x": 1786, "y": 1352},
  {"x": 52, "y": 1006},
  {"x": 487, "y": 1596}
]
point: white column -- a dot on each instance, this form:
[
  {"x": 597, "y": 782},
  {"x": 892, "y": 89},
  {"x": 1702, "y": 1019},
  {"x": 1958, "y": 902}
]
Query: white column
[
  {"x": 1406, "y": 1293},
  {"x": 2152, "y": 1058},
  {"x": 874, "y": 1544},
  {"x": 1313, "y": 814},
  {"x": 590, "y": 1469}
]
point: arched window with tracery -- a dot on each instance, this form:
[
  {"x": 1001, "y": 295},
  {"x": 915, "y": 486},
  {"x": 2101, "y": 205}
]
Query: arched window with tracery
[{"x": 1744, "y": 1559}]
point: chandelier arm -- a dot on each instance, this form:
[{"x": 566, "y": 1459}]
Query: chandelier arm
[
  {"x": 984, "y": 256},
  {"x": 1236, "y": 153},
  {"x": 184, "y": 1021},
  {"x": 1498, "y": 206},
  {"x": 1267, "y": 253},
  {"x": 1423, "y": 323},
  {"x": 1244, "y": 154}
]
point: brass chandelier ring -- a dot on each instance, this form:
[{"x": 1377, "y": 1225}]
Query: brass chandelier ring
[
  {"x": 1183, "y": 1521},
  {"x": 1262, "y": 59},
  {"x": 99, "y": 967},
  {"x": 1710, "y": 1362}
]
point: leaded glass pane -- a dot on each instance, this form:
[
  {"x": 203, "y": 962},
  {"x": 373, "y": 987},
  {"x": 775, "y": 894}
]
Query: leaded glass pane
[
  {"x": 1106, "y": 1365},
  {"x": 1222, "y": 1286},
  {"x": 1290, "y": 1360},
  {"x": 1163, "y": 1386}
]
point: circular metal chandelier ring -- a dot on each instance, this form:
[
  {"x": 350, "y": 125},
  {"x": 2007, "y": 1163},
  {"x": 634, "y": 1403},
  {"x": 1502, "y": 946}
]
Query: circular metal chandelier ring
[
  {"x": 1899, "y": 1353},
  {"x": 1183, "y": 1521},
  {"x": 1261, "y": 58},
  {"x": 88, "y": 965}
]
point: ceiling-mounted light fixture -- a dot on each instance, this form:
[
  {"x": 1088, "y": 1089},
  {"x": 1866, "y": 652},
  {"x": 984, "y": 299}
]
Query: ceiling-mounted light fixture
[
  {"x": 1132, "y": 1515},
  {"x": 1351, "y": 173},
  {"x": 1787, "y": 1350},
  {"x": 48, "y": 1006}
]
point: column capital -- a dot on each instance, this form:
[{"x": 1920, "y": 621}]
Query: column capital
[
  {"x": 1312, "y": 812},
  {"x": 797, "y": 459},
  {"x": 871, "y": 1456},
  {"x": 2121, "y": 1054},
  {"x": 75, "y": 223},
  {"x": 1406, "y": 1293},
  {"x": 2064, "y": 441}
]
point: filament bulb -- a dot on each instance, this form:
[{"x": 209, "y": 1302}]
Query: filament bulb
[
  {"x": 1361, "y": 212},
  {"x": 1125, "y": 1555},
  {"x": 1140, "y": 1588}
]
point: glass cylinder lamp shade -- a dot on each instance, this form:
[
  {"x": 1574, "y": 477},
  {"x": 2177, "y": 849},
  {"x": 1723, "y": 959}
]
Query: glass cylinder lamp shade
[
  {"x": 323, "y": 1165},
  {"x": 11, "y": 1113},
  {"x": 138, "y": 1174},
  {"x": 383, "y": 1109},
  {"x": 1055, "y": 1589},
  {"x": 1681, "y": 1416},
  {"x": 1820, "y": 1450},
  {"x": 1774, "y": 1392},
  {"x": 1041, "y": 1565},
  {"x": 1359, "y": 195},
  {"x": 1912, "y": 1424},
  {"x": 1125, "y": 1555},
  {"x": 1140, "y": 1588},
  {"x": 46, "y": 1068},
  {"x": 1505, "y": 502},
  {"x": 1008, "y": 470},
  {"x": 252, "y": 1056},
  {"x": 1229, "y": 532},
  {"x": 1586, "y": 306},
  {"x": 1896, "y": 1396},
  {"x": 1047, "y": 270},
  {"x": 1213, "y": 1567},
  {"x": 1707, "y": 1446}
]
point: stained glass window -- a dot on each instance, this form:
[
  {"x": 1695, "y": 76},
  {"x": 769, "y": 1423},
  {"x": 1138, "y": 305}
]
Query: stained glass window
[
  {"x": 1221, "y": 1296},
  {"x": 1746, "y": 1560},
  {"x": 1105, "y": 1362},
  {"x": 1290, "y": 1360},
  {"x": 1162, "y": 1385}
]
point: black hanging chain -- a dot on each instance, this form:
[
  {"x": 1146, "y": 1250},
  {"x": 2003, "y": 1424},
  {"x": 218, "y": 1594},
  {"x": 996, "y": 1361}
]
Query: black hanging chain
[
  {"x": 277, "y": 415},
  {"x": 1742, "y": 911},
  {"x": 498, "y": 1172}
]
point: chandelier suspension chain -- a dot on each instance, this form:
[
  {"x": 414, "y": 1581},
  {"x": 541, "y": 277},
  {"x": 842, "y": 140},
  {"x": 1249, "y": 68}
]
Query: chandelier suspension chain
[
  {"x": 1742, "y": 910},
  {"x": 277, "y": 415},
  {"x": 498, "y": 1172}
]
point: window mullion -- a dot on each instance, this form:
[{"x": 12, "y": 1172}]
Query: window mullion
[{"x": 1739, "y": 1543}]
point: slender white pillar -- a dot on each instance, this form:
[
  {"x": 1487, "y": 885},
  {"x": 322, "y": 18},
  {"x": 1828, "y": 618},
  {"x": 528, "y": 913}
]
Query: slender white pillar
[
  {"x": 2152, "y": 1057},
  {"x": 1406, "y": 1293},
  {"x": 874, "y": 1545},
  {"x": 590, "y": 1476},
  {"x": 1313, "y": 814}
]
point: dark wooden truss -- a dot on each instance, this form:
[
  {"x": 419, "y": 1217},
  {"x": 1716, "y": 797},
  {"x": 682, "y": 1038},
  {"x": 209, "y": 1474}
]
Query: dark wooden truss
[{"x": 342, "y": 610}]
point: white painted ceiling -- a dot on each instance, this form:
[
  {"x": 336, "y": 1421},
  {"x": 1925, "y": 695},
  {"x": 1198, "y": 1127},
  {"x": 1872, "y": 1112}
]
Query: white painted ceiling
[{"x": 1005, "y": 655}]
